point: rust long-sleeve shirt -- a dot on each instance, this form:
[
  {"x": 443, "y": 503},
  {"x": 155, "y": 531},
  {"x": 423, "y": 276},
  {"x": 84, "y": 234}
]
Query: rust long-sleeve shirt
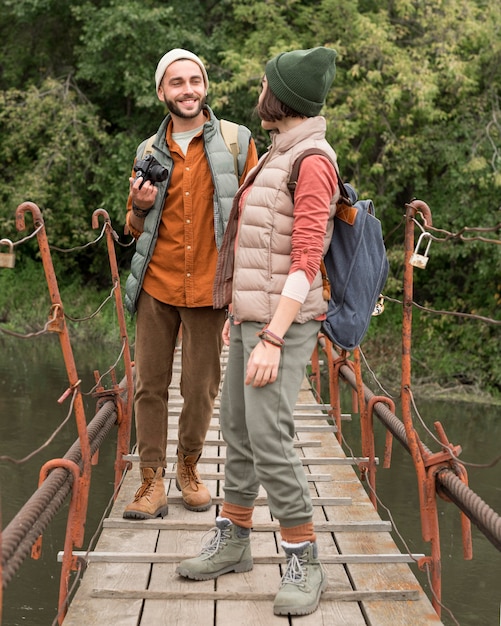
[{"x": 183, "y": 265}]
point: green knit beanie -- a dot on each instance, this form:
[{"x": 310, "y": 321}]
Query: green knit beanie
[{"x": 301, "y": 78}]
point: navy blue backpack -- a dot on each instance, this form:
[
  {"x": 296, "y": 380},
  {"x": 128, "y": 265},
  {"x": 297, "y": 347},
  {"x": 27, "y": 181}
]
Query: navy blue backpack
[{"x": 356, "y": 265}]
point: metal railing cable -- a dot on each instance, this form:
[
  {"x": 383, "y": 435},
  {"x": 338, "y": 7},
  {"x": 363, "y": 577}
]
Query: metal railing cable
[
  {"x": 470, "y": 503},
  {"x": 34, "y": 517}
]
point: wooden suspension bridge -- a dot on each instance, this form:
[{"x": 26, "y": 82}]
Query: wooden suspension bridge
[{"x": 130, "y": 576}]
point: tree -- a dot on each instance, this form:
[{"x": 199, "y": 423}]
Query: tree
[
  {"x": 51, "y": 139},
  {"x": 413, "y": 112}
]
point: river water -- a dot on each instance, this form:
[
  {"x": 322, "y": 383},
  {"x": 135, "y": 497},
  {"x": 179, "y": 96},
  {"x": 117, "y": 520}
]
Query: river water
[{"x": 33, "y": 377}]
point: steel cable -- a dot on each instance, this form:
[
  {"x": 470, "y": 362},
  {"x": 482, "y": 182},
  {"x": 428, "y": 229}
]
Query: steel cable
[
  {"x": 479, "y": 512},
  {"x": 34, "y": 517}
]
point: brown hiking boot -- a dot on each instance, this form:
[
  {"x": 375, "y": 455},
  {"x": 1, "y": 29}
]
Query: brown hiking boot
[
  {"x": 196, "y": 496},
  {"x": 150, "y": 500}
]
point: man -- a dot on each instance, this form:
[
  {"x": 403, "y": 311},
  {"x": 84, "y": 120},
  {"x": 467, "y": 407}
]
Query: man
[{"x": 179, "y": 224}]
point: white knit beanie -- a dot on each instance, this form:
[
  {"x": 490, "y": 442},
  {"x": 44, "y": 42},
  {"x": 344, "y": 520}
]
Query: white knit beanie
[{"x": 176, "y": 55}]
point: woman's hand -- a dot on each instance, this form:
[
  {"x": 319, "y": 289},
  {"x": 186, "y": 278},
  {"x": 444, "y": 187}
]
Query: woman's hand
[
  {"x": 262, "y": 366},
  {"x": 226, "y": 332}
]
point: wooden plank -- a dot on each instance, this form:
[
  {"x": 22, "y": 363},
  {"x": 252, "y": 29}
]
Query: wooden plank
[
  {"x": 159, "y": 557},
  {"x": 256, "y": 596},
  {"x": 221, "y": 443},
  {"x": 263, "y": 500},
  {"x": 206, "y": 476},
  {"x": 175, "y": 411},
  {"x": 175, "y": 524},
  {"x": 176, "y": 610},
  {"x": 300, "y": 406},
  {"x": 333, "y": 460},
  {"x": 314, "y": 428},
  {"x": 134, "y": 458}
]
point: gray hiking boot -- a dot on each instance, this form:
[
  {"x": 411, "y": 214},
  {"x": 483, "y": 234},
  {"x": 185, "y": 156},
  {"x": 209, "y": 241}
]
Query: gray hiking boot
[
  {"x": 303, "y": 581},
  {"x": 227, "y": 551}
]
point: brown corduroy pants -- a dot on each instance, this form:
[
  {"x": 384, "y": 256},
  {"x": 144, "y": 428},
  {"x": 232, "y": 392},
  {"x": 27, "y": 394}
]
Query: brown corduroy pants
[{"x": 157, "y": 328}]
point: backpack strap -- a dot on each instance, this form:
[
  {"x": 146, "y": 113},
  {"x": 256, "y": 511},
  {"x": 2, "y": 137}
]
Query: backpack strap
[
  {"x": 291, "y": 186},
  {"x": 229, "y": 131},
  {"x": 344, "y": 197}
]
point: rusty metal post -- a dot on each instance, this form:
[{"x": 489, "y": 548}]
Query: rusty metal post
[
  {"x": 425, "y": 481},
  {"x": 315, "y": 372},
  {"x": 389, "y": 437},
  {"x": 124, "y": 412},
  {"x": 334, "y": 399},
  {"x": 334, "y": 369},
  {"x": 368, "y": 444},
  {"x": 412, "y": 436},
  {"x": 460, "y": 471},
  {"x": 74, "y": 531},
  {"x": 367, "y": 468},
  {"x": 58, "y": 325},
  {"x": 1, "y": 569},
  {"x": 435, "y": 463}
]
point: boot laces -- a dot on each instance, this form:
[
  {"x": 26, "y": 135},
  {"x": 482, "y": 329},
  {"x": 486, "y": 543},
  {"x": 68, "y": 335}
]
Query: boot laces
[
  {"x": 189, "y": 475},
  {"x": 296, "y": 569},
  {"x": 144, "y": 490},
  {"x": 219, "y": 538}
]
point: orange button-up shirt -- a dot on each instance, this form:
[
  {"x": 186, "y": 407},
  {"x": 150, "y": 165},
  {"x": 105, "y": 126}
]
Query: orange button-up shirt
[{"x": 183, "y": 265}]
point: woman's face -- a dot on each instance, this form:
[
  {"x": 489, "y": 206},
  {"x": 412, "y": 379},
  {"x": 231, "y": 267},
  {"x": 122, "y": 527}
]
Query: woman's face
[{"x": 264, "y": 86}]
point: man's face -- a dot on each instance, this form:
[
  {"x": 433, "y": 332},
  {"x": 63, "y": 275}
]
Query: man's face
[{"x": 182, "y": 89}]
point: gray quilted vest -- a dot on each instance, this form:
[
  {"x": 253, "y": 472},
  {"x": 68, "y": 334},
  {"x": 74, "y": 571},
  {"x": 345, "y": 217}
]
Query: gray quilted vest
[{"x": 226, "y": 182}]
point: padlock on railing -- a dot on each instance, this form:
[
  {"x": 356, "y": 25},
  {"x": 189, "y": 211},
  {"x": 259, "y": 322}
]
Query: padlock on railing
[
  {"x": 420, "y": 260},
  {"x": 7, "y": 259},
  {"x": 379, "y": 307}
]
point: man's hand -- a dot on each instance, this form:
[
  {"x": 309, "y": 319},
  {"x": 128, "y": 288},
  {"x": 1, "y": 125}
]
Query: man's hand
[{"x": 143, "y": 195}]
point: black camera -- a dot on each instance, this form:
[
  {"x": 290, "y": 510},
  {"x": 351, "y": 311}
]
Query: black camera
[{"x": 150, "y": 169}]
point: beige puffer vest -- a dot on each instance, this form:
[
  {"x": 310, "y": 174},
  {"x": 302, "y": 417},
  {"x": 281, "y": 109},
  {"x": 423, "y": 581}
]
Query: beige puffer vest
[{"x": 262, "y": 260}]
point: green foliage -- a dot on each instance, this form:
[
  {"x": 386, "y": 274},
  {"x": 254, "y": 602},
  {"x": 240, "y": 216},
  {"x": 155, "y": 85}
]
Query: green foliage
[
  {"x": 38, "y": 38},
  {"x": 414, "y": 112},
  {"x": 50, "y": 139},
  {"x": 118, "y": 53},
  {"x": 90, "y": 310}
]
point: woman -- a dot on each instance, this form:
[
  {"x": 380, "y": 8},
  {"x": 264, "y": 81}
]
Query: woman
[{"x": 269, "y": 276}]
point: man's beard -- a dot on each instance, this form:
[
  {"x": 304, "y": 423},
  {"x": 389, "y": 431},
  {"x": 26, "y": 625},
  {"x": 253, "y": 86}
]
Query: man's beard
[{"x": 175, "y": 110}]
